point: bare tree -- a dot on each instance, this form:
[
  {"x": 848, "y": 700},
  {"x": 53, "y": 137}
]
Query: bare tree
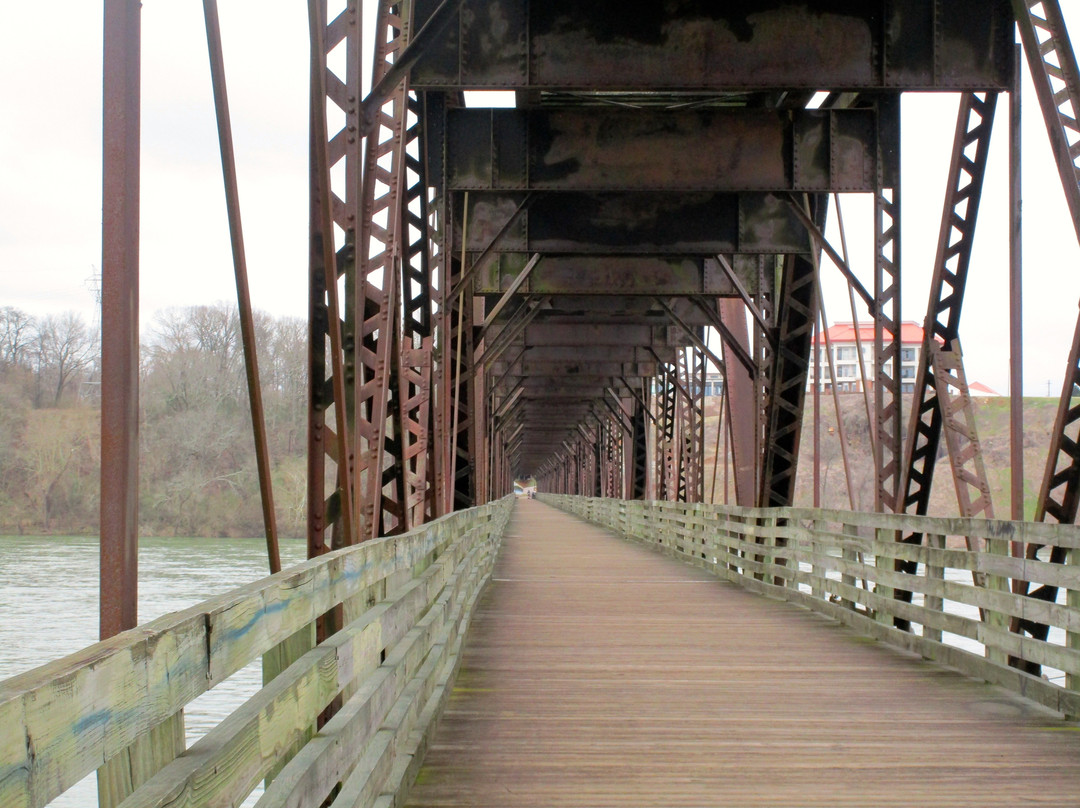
[
  {"x": 16, "y": 336},
  {"x": 63, "y": 347}
]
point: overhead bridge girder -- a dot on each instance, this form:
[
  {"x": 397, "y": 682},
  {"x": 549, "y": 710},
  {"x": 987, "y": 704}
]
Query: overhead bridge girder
[
  {"x": 697, "y": 46},
  {"x": 582, "y": 369},
  {"x": 659, "y": 150},
  {"x": 635, "y": 223}
]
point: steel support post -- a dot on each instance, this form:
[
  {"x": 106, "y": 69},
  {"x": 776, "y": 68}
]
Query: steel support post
[
  {"x": 666, "y": 450},
  {"x": 692, "y": 386},
  {"x": 379, "y": 260},
  {"x": 243, "y": 295},
  {"x": 1057, "y": 86},
  {"x": 934, "y": 406},
  {"x": 414, "y": 380},
  {"x": 420, "y": 273},
  {"x": 741, "y": 402},
  {"x": 639, "y": 454},
  {"x": 796, "y": 314},
  {"x": 941, "y": 326},
  {"x": 329, "y": 206},
  {"x": 120, "y": 319},
  {"x": 887, "y": 321}
]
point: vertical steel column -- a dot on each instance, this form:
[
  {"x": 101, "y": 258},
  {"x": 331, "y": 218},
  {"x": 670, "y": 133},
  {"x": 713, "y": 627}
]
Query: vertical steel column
[
  {"x": 740, "y": 400},
  {"x": 887, "y": 347},
  {"x": 1016, "y": 315},
  {"x": 414, "y": 380},
  {"x": 693, "y": 362},
  {"x": 941, "y": 327},
  {"x": 666, "y": 459},
  {"x": 378, "y": 280},
  {"x": 639, "y": 453},
  {"x": 796, "y": 313},
  {"x": 1057, "y": 85},
  {"x": 327, "y": 265},
  {"x": 120, "y": 319}
]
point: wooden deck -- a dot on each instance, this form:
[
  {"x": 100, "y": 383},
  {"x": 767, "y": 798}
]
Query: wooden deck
[{"x": 598, "y": 672}]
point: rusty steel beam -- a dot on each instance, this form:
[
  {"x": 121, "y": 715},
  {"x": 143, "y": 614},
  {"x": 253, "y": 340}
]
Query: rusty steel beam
[
  {"x": 243, "y": 294},
  {"x": 962, "y": 439},
  {"x": 631, "y": 223},
  {"x": 414, "y": 380},
  {"x": 491, "y": 244},
  {"x": 325, "y": 266},
  {"x": 1057, "y": 83},
  {"x": 741, "y": 402},
  {"x": 119, "y": 527},
  {"x": 378, "y": 279},
  {"x": 645, "y": 150},
  {"x": 507, "y": 296},
  {"x": 796, "y": 314},
  {"x": 971, "y": 145},
  {"x": 799, "y": 208},
  {"x": 604, "y": 275},
  {"x": 887, "y": 323},
  {"x": 941, "y": 327},
  {"x": 1056, "y": 78},
  {"x": 713, "y": 47}
]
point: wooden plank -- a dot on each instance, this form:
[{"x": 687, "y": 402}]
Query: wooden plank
[
  {"x": 597, "y": 673},
  {"x": 825, "y": 550}
]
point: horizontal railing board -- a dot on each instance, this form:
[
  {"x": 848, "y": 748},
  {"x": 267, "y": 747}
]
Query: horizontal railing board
[
  {"x": 63, "y": 720},
  {"x": 226, "y": 764},
  {"x": 329, "y": 756},
  {"x": 784, "y": 551}
]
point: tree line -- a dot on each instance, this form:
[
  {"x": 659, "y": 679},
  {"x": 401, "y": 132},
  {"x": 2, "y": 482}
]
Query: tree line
[{"x": 197, "y": 461}]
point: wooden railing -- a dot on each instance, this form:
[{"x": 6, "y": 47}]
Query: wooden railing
[
  {"x": 117, "y": 706},
  {"x": 844, "y": 564}
]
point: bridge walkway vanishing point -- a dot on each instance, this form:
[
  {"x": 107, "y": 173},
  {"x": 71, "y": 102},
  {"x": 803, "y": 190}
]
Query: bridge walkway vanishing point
[{"x": 599, "y": 672}]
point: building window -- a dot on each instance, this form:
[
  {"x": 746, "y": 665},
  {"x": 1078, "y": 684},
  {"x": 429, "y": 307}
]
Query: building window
[
  {"x": 907, "y": 373},
  {"x": 847, "y": 353},
  {"x": 907, "y": 354},
  {"x": 845, "y": 371}
]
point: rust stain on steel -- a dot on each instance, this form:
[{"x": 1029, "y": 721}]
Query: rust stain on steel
[{"x": 597, "y": 672}]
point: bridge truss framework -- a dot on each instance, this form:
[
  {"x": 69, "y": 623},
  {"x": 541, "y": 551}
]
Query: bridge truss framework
[{"x": 497, "y": 293}]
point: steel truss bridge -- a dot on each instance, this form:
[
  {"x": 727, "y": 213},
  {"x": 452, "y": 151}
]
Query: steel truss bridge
[{"x": 498, "y": 293}]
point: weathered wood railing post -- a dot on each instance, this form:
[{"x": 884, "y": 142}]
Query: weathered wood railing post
[
  {"x": 850, "y": 556},
  {"x": 997, "y": 583},
  {"x": 883, "y": 614},
  {"x": 817, "y": 569},
  {"x": 125, "y": 772},
  {"x": 1072, "y": 638},
  {"x": 935, "y": 573}
]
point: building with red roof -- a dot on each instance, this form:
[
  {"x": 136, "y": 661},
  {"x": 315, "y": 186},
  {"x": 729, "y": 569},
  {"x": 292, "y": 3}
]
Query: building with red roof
[{"x": 846, "y": 340}]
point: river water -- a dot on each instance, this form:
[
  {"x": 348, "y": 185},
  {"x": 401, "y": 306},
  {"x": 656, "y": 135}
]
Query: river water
[{"x": 49, "y": 608}]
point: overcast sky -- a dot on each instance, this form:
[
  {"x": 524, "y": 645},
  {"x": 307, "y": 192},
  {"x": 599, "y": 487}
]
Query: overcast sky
[{"x": 50, "y": 181}]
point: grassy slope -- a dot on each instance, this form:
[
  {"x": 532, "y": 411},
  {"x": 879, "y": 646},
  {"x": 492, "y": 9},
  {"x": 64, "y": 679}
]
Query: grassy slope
[{"x": 992, "y": 420}]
